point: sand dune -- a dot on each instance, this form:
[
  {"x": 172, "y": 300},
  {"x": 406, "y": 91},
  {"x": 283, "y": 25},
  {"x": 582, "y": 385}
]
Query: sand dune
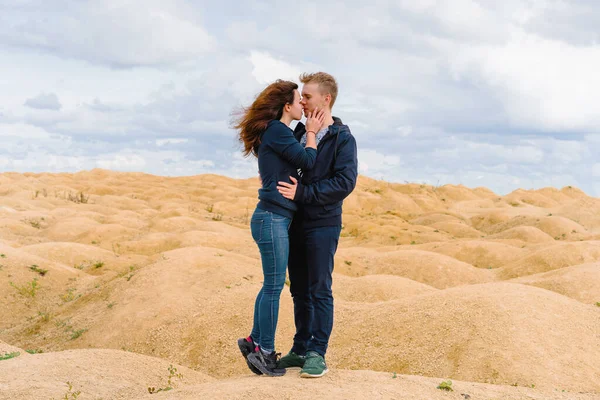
[
  {"x": 203, "y": 292},
  {"x": 498, "y": 332},
  {"x": 83, "y": 257},
  {"x": 457, "y": 230},
  {"x": 535, "y": 198},
  {"x": 579, "y": 282},
  {"x": 100, "y": 373},
  {"x": 134, "y": 272},
  {"x": 583, "y": 211},
  {"x": 557, "y": 227},
  {"x": 437, "y": 270},
  {"x": 435, "y": 218},
  {"x": 32, "y": 285},
  {"x": 552, "y": 257},
  {"x": 479, "y": 253},
  {"x": 529, "y": 234},
  {"x": 343, "y": 384},
  {"x": 376, "y": 288},
  {"x": 95, "y": 373}
]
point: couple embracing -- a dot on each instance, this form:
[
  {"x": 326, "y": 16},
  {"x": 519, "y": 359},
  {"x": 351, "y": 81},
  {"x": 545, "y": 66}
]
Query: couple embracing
[{"x": 306, "y": 174}]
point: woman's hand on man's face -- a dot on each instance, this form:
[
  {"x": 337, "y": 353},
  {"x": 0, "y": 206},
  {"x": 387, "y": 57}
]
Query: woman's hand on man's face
[{"x": 314, "y": 120}]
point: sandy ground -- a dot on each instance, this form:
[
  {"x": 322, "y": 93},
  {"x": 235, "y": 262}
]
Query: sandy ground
[{"x": 107, "y": 279}]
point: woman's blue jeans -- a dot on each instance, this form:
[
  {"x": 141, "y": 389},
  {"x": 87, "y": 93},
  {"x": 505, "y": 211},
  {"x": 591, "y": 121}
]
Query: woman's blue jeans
[{"x": 270, "y": 232}]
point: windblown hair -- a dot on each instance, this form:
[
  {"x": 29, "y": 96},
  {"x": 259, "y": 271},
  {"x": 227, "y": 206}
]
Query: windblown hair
[
  {"x": 267, "y": 106},
  {"x": 326, "y": 82}
]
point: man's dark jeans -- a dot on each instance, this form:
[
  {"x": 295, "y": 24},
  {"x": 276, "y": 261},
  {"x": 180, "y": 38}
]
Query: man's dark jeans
[{"x": 310, "y": 268}]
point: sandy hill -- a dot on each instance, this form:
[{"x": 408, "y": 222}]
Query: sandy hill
[
  {"x": 580, "y": 282},
  {"x": 109, "y": 278}
]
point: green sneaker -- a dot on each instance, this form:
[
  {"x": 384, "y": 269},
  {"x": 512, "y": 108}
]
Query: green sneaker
[
  {"x": 291, "y": 360},
  {"x": 314, "y": 367}
]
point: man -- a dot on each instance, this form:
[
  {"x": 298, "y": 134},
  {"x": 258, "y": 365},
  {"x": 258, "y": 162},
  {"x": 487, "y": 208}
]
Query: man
[{"x": 315, "y": 230}]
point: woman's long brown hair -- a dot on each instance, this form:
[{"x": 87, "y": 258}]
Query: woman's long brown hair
[{"x": 267, "y": 106}]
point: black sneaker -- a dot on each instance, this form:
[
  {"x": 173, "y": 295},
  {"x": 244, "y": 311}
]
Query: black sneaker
[
  {"x": 266, "y": 363},
  {"x": 246, "y": 346}
]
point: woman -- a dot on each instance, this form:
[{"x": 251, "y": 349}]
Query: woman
[{"x": 265, "y": 133}]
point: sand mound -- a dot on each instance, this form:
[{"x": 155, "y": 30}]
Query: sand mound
[
  {"x": 7, "y": 350},
  {"x": 175, "y": 224},
  {"x": 200, "y": 289},
  {"x": 379, "y": 199},
  {"x": 359, "y": 385},
  {"x": 552, "y": 257},
  {"x": 557, "y": 227},
  {"x": 149, "y": 244},
  {"x": 238, "y": 242},
  {"x": 533, "y": 198},
  {"x": 487, "y": 221},
  {"x": 457, "y": 230},
  {"x": 527, "y": 234},
  {"x": 564, "y": 195},
  {"x": 462, "y": 193},
  {"x": 21, "y": 228},
  {"x": 583, "y": 211},
  {"x": 83, "y": 257},
  {"x": 491, "y": 332},
  {"x": 430, "y": 268},
  {"x": 31, "y": 285},
  {"x": 107, "y": 202},
  {"x": 128, "y": 219},
  {"x": 580, "y": 282},
  {"x": 434, "y": 218},
  {"x": 70, "y": 229},
  {"x": 363, "y": 232},
  {"x": 108, "y": 374},
  {"x": 374, "y": 288},
  {"x": 180, "y": 272},
  {"x": 108, "y": 235},
  {"x": 478, "y": 253}
]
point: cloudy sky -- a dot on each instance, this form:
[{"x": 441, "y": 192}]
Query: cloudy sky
[{"x": 475, "y": 92}]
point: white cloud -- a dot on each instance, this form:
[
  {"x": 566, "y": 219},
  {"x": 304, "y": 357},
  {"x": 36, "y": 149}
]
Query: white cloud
[
  {"x": 374, "y": 163},
  {"x": 482, "y": 93},
  {"x": 267, "y": 68},
  {"x": 518, "y": 154},
  {"x": 404, "y": 131},
  {"x": 162, "y": 142},
  {"x": 113, "y": 32},
  {"x": 44, "y": 101},
  {"x": 123, "y": 161},
  {"x": 542, "y": 83},
  {"x": 569, "y": 152}
]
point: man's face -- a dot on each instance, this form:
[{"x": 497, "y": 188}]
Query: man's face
[{"x": 312, "y": 98}]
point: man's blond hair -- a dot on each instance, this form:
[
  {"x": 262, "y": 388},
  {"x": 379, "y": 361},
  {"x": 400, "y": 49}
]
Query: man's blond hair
[{"x": 326, "y": 82}]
